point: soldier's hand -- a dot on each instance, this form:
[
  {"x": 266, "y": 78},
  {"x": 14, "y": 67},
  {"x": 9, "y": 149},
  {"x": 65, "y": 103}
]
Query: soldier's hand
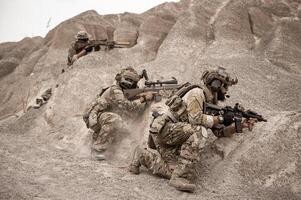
[
  {"x": 147, "y": 96},
  {"x": 74, "y": 58},
  {"x": 249, "y": 123},
  {"x": 228, "y": 118}
]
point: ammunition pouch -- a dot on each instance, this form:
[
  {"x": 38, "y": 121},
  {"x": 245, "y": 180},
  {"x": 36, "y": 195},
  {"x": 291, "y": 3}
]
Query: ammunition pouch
[
  {"x": 158, "y": 123},
  {"x": 86, "y": 119},
  {"x": 150, "y": 142},
  {"x": 89, "y": 109}
]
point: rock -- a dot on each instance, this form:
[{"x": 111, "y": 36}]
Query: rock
[
  {"x": 261, "y": 22},
  {"x": 232, "y": 25},
  {"x": 299, "y": 12},
  {"x": 126, "y": 33},
  {"x": 7, "y": 66},
  {"x": 278, "y": 8},
  {"x": 153, "y": 31},
  {"x": 284, "y": 48}
]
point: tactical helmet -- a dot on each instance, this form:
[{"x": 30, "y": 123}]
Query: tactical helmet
[
  {"x": 128, "y": 78},
  {"x": 218, "y": 78},
  {"x": 82, "y": 35}
]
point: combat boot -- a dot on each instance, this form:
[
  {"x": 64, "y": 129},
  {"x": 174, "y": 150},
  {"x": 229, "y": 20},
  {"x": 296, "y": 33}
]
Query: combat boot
[
  {"x": 98, "y": 155},
  {"x": 182, "y": 184},
  {"x": 135, "y": 164}
]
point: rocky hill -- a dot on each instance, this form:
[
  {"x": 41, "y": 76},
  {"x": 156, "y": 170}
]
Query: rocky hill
[{"x": 45, "y": 152}]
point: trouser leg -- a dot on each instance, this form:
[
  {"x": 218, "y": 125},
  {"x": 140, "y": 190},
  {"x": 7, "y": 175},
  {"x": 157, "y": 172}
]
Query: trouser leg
[
  {"x": 184, "y": 176},
  {"x": 109, "y": 123},
  {"x": 151, "y": 160}
]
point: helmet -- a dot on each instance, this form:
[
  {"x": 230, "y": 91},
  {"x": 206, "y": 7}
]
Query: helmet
[
  {"x": 128, "y": 78},
  {"x": 218, "y": 78},
  {"x": 82, "y": 35}
]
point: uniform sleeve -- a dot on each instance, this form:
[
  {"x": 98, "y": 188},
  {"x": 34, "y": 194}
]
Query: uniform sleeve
[
  {"x": 194, "y": 100},
  {"x": 118, "y": 99},
  {"x": 71, "y": 52}
]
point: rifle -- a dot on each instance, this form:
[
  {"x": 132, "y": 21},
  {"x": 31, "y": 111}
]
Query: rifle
[
  {"x": 153, "y": 86},
  {"x": 97, "y": 44},
  {"x": 238, "y": 112}
]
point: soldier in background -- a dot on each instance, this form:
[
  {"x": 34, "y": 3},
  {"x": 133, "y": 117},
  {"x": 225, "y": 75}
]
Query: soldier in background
[
  {"x": 83, "y": 45},
  {"x": 75, "y": 51},
  {"x": 177, "y": 135},
  {"x": 106, "y": 114}
]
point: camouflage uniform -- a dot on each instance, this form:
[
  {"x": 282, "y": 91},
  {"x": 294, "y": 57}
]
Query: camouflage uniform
[
  {"x": 178, "y": 139},
  {"x": 106, "y": 114},
  {"x": 178, "y": 135},
  {"x": 81, "y": 42}
]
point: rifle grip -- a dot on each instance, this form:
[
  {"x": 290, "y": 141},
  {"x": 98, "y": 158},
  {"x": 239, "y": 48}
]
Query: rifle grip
[{"x": 238, "y": 125}]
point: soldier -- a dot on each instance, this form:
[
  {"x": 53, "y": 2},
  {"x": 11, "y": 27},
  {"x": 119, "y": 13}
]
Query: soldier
[
  {"x": 106, "y": 114},
  {"x": 178, "y": 134},
  {"x": 82, "y": 41}
]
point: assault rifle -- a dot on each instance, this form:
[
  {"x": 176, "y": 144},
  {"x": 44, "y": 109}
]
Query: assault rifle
[
  {"x": 97, "y": 44},
  {"x": 107, "y": 44},
  {"x": 237, "y": 111},
  {"x": 152, "y": 86}
]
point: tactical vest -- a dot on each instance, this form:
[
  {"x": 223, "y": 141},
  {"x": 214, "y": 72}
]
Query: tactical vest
[
  {"x": 89, "y": 109},
  {"x": 183, "y": 90},
  {"x": 159, "y": 121},
  {"x": 187, "y": 87}
]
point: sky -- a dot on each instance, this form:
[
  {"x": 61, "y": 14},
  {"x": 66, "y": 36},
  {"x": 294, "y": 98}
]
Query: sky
[{"x": 29, "y": 18}]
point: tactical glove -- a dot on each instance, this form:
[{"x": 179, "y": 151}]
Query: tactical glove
[
  {"x": 147, "y": 96},
  {"x": 249, "y": 123},
  {"x": 228, "y": 118}
]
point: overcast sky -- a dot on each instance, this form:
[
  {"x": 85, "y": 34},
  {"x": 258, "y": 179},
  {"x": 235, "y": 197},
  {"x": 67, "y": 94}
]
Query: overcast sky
[{"x": 28, "y": 18}]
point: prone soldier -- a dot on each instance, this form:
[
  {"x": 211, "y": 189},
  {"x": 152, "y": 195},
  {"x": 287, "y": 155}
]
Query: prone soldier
[
  {"x": 80, "y": 43},
  {"x": 177, "y": 135},
  {"x": 83, "y": 45}
]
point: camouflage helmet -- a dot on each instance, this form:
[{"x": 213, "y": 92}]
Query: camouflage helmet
[
  {"x": 223, "y": 78},
  {"x": 130, "y": 73},
  {"x": 82, "y": 35},
  {"x": 128, "y": 77}
]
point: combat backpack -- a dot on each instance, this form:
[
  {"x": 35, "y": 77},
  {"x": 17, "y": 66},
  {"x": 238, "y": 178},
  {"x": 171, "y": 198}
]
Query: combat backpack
[{"x": 91, "y": 106}]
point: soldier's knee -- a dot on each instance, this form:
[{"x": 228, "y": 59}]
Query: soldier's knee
[
  {"x": 95, "y": 129},
  {"x": 107, "y": 128},
  {"x": 109, "y": 118},
  {"x": 191, "y": 147}
]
